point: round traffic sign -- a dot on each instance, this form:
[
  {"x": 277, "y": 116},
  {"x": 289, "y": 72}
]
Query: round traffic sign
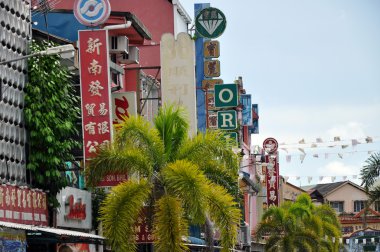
[
  {"x": 210, "y": 23},
  {"x": 270, "y": 145},
  {"x": 92, "y": 12}
]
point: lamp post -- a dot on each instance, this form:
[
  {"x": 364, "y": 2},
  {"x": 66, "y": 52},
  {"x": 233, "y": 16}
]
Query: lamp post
[{"x": 50, "y": 51}]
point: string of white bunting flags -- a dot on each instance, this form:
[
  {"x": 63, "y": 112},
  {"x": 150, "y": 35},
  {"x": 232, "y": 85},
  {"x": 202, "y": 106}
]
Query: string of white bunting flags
[
  {"x": 325, "y": 155},
  {"x": 321, "y": 178}
]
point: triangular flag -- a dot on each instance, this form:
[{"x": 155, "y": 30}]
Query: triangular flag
[
  {"x": 333, "y": 179},
  {"x": 284, "y": 149},
  {"x": 354, "y": 142},
  {"x": 288, "y": 158},
  {"x": 344, "y": 146},
  {"x": 354, "y": 176},
  {"x": 326, "y": 155},
  {"x": 321, "y": 178},
  {"x": 340, "y": 155},
  {"x": 315, "y": 155},
  {"x": 298, "y": 178},
  {"x": 344, "y": 178},
  {"x": 372, "y": 239},
  {"x": 309, "y": 179},
  {"x": 369, "y": 140},
  {"x": 319, "y": 140},
  {"x": 302, "y": 141},
  {"x": 302, "y": 150},
  {"x": 302, "y": 157},
  {"x": 340, "y": 240},
  {"x": 286, "y": 178},
  {"x": 313, "y": 145},
  {"x": 336, "y": 139},
  {"x": 364, "y": 241}
]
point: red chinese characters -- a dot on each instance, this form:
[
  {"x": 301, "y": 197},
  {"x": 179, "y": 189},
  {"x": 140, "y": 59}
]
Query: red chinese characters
[
  {"x": 76, "y": 210},
  {"x": 95, "y": 90}
]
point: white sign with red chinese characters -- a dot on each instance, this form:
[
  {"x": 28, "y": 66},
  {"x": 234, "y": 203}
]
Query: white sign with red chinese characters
[
  {"x": 272, "y": 180},
  {"x": 23, "y": 205},
  {"x": 95, "y": 90},
  {"x": 124, "y": 105}
]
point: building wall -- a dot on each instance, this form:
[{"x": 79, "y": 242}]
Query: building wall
[{"x": 348, "y": 194}]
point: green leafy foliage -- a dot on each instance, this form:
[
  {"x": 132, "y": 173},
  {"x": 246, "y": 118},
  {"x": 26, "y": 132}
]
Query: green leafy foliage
[
  {"x": 51, "y": 111},
  {"x": 190, "y": 180},
  {"x": 300, "y": 226}
]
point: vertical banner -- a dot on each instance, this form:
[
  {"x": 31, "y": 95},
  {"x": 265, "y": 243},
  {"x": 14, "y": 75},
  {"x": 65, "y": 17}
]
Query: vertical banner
[
  {"x": 254, "y": 128},
  {"x": 95, "y": 90},
  {"x": 178, "y": 74},
  {"x": 246, "y": 101},
  {"x": 272, "y": 180}
]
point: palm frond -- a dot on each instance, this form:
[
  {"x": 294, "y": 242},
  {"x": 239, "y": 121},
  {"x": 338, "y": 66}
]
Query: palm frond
[
  {"x": 374, "y": 194},
  {"x": 172, "y": 125},
  {"x": 327, "y": 214},
  {"x": 119, "y": 212},
  {"x": 371, "y": 171},
  {"x": 273, "y": 243},
  {"x": 184, "y": 180},
  {"x": 225, "y": 213},
  {"x": 210, "y": 145},
  {"x": 137, "y": 133},
  {"x": 169, "y": 225},
  {"x": 110, "y": 160}
]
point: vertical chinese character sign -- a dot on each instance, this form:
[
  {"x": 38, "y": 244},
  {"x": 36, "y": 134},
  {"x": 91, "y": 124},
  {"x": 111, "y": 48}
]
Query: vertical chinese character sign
[
  {"x": 95, "y": 90},
  {"x": 272, "y": 179}
]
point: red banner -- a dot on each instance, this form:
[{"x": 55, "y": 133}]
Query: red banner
[
  {"x": 23, "y": 205},
  {"x": 272, "y": 180},
  {"x": 95, "y": 90}
]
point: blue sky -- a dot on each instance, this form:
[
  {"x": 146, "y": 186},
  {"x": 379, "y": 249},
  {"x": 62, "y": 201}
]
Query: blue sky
[{"x": 314, "y": 69}]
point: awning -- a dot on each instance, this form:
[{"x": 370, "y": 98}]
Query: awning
[
  {"x": 65, "y": 232},
  {"x": 17, "y": 226}
]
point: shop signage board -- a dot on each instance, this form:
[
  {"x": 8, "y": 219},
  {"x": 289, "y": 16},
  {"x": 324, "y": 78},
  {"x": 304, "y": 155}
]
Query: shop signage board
[
  {"x": 92, "y": 12},
  {"x": 124, "y": 105},
  {"x": 232, "y": 138},
  {"x": 23, "y": 205},
  {"x": 75, "y": 208},
  {"x": 227, "y": 119},
  {"x": 226, "y": 95},
  {"x": 254, "y": 128},
  {"x": 272, "y": 180},
  {"x": 270, "y": 145},
  {"x": 211, "y": 49},
  {"x": 246, "y": 101},
  {"x": 210, "y": 23},
  {"x": 208, "y": 84},
  {"x": 211, "y": 68}
]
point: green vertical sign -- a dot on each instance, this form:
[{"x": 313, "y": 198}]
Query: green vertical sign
[
  {"x": 231, "y": 138},
  {"x": 227, "y": 119},
  {"x": 226, "y": 95}
]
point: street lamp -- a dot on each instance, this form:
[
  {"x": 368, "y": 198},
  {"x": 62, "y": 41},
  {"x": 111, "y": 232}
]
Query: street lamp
[{"x": 50, "y": 51}]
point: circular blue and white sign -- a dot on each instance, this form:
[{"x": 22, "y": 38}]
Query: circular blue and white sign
[{"x": 92, "y": 12}]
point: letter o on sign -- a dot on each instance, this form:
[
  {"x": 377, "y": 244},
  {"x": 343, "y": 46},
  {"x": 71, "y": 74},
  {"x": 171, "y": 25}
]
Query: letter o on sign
[{"x": 229, "y": 96}]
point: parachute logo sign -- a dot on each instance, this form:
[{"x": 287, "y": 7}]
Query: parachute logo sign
[
  {"x": 210, "y": 23},
  {"x": 92, "y": 12}
]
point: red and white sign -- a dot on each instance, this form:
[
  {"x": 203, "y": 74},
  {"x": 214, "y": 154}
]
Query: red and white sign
[
  {"x": 270, "y": 145},
  {"x": 272, "y": 180},
  {"x": 23, "y": 205},
  {"x": 95, "y": 90},
  {"x": 124, "y": 105},
  {"x": 92, "y": 12}
]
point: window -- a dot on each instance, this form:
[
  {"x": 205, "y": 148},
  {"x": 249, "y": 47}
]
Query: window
[
  {"x": 337, "y": 206},
  {"x": 358, "y": 205},
  {"x": 377, "y": 206}
]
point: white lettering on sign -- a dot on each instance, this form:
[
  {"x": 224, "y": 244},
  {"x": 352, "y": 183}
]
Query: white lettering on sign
[
  {"x": 230, "y": 95},
  {"x": 227, "y": 120},
  {"x": 93, "y": 45}
]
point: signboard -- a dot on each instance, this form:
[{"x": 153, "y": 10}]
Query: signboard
[
  {"x": 92, "y": 12},
  {"x": 212, "y": 122},
  {"x": 272, "y": 180},
  {"x": 75, "y": 208},
  {"x": 232, "y": 138},
  {"x": 211, "y": 68},
  {"x": 227, "y": 119},
  {"x": 210, "y": 23},
  {"x": 254, "y": 128},
  {"x": 124, "y": 105},
  {"x": 246, "y": 101},
  {"x": 95, "y": 90},
  {"x": 23, "y": 205},
  {"x": 226, "y": 95},
  {"x": 270, "y": 145},
  {"x": 209, "y": 84},
  {"x": 143, "y": 233},
  {"x": 211, "y": 49},
  {"x": 210, "y": 101}
]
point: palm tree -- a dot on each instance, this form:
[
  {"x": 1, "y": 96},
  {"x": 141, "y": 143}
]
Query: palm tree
[
  {"x": 185, "y": 180},
  {"x": 369, "y": 174},
  {"x": 300, "y": 226}
]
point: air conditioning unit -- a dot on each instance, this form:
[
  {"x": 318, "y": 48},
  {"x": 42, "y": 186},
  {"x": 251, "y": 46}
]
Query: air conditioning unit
[
  {"x": 133, "y": 57},
  {"x": 118, "y": 44}
]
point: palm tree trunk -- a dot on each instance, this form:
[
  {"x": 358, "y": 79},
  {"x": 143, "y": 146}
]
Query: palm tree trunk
[{"x": 209, "y": 235}]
